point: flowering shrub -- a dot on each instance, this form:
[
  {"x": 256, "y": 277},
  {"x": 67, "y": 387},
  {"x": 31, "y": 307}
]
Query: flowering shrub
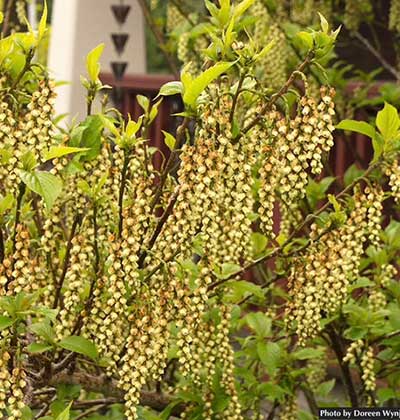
[{"x": 123, "y": 288}]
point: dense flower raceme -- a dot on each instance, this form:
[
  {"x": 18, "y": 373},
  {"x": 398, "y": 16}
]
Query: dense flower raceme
[
  {"x": 151, "y": 292},
  {"x": 320, "y": 277}
]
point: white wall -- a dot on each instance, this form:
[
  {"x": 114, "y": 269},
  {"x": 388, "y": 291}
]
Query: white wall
[{"x": 77, "y": 27}]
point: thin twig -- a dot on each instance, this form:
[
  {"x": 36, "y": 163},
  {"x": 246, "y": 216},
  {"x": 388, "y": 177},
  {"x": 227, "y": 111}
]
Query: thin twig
[
  {"x": 236, "y": 97},
  {"x": 90, "y": 411},
  {"x": 377, "y": 55},
  {"x": 121, "y": 193},
  {"x": 159, "y": 37},
  {"x": 158, "y": 228},
  {"x": 344, "y": 366},
  {"x": 2, "y": 249},
  {"x": 75, "y": 224},
  {"x": 7, "y": 18},
  {"x": 45, "y": 407},
  {"x": 160, "y": 188}
]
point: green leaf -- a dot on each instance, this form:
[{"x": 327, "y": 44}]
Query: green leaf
[
  {"x": 378, "y": 143},
  {"x": 392, "y": 234},
  {"x": 270, "y": 355},
  {"x": 26, "y": 413},
  {"x": 109, "y": 125},
  {"x": 271, "y": 391},
  {"x": 332, "y": 199},
  {"x": 326, "y": 387},
  {"x": 47, "y": 185},
  {"x": 306, "y": 38},
  {"x": 228, "y": 270},
  {"x": 65, "y": 415},
  {"x": 167, "y": 412},
  {"x": 43, "y": 23},
  {"x": 304, "y": 415},
  {"x": 1, "y": 17},
  {"x": 5, "y": 322},
  {"x": 212, "y": 8},
  {"x": 243, "y": 288},
  {"x": 38, "y": 347},
  {"x": 385, "y": 394},
  {"x": 360, "y": 283},
  {"x": 264, "y": 51},
  {"x": 394, "y": 317},
  {"x": 352, "y": 174},
  {"x": 6, "y": 203},
  {"x": 59, "y": 151},
  {"x": 259, "y": 243},
  {"x": 92, "y": 62},
  {"x": 388, "y": 122},
  {"x": 44, "y": 330},
  {"x": 81, "y": 345},
  {"x": 144, "y": 102},
  {"x": 361, "y": 127},
  {"x": 169, "y": 140},
  {"x": 304, "y": 354},
  {"x": 324, "y": 23},
  {"x": 355, "y": 333},
  {"x": 241, "y": 8},
  {"x": 132, "y": 127},
  {"x": 171, "y": 88},
  {"x": 195, "y": 87},
  {"x": 91, "y": 136},
  {"x": 28, "y": 161},
  {"x": 259, "y": 323}
]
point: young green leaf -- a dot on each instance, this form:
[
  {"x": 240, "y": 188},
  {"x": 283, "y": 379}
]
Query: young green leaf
[
  {"x": 306, "y": 38},
  {"x": 6, "y": 203},
  {"x": 259, "y": 242},
  {"x": 324, "y": 23},
  {"x": 38, "y": 347},
  {"x": 259, "y": 323},
  {"x": 171, "y": 88},
  {"x": 144, "y": 102},
  {"x": 228, "y": 270},
  {"x": 5, "y": 322},
  {"x": 169, "y": 140},
  {"x": 326, "y": 387},
  {"x": 378, "y": 144},
  {"x": 109, "y": 125},
  {"x": 196, "y": 86},
  {"x": 361, "y": 127},
  {"x": 43, "y": 23},
  {"x": 44, "y": 330},
  {"x": 28, "y": 161},
  {"x": 352, "y": 174},
  {"x": 81, "y": 345},
  {"x": 92, "y": 62},
  {"x": 241, "y": 8},
  {"x": 59, "y": 151},
  {"x": 270, "y": 356},
  {"x": 47, "y": 185},
  {"x": 388, "y": 122},
  {"x": 307, "y": 353},
  {"x": 65, "y": 414}
]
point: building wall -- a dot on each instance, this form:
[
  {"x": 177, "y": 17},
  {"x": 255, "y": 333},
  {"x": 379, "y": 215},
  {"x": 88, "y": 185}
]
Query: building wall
[{"x": 77, "y": 27}]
